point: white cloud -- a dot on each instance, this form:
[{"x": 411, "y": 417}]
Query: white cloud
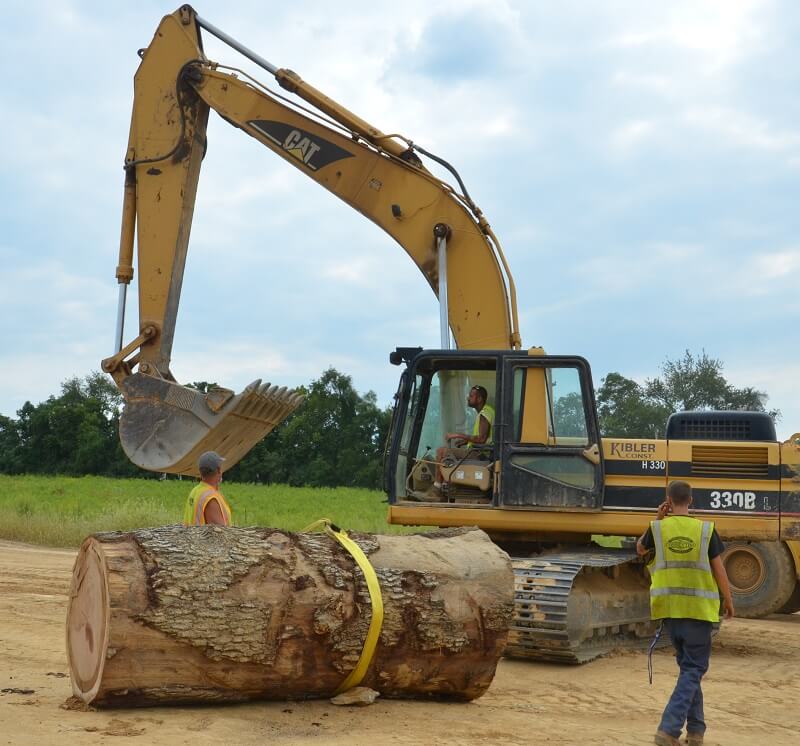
[
  {"x": 742, "y": 129},
  {"x": 236, "y": 362},
  {"x": 659, "y": 83},
  {"x": 781, "y": 264},
  {"x": 502, "y": 124},
  {"x": 719, "y": 32},
  {"x": 767, "y": 274},
  {"x": 778, "y": 378},
  {"x": 630, "y": 268},
  {"x": 632, "y": 134},
  {"x": 361, "y": 271},
  {"x": 27, "y": 377},
  {"x": 50, "y": 288}
]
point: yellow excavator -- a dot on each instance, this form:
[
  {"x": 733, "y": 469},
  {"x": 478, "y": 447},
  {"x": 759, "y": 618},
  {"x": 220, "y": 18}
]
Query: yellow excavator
[{"x": 547, "y": 483}]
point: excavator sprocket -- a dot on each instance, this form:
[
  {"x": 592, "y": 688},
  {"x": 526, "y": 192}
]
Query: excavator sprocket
[
  {"x": 574, "y": 606},
  {"x": 165, "y": 426}
]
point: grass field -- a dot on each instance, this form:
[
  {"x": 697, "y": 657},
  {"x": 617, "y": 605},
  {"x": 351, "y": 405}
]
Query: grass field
[{"x": 62, "y": 511}]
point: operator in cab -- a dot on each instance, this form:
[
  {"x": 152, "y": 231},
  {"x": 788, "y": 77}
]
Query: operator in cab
[
  {"x": 481, "y": 434},
  {"x": 206, "y": 504}
]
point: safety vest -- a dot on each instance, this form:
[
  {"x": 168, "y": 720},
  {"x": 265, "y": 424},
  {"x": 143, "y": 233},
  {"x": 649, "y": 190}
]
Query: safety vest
[
  {"x": 194, "y": 514},
  {"x": 682, "y": 584},
  {"x": 488, "y": 413}
]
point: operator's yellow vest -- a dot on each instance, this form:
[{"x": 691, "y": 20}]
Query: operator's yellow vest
[
  {"x": 683, "y": 586},
  {"x": 488, "y": 413},
  {"x": 194, "y": 514}
]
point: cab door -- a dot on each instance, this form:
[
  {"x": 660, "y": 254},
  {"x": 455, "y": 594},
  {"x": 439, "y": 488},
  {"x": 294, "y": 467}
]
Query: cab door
[{"x": 551, "y": 455}]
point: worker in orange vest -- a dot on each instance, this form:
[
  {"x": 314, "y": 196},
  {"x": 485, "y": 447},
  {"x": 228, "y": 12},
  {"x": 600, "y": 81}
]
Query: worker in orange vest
[{"x": 206, "y": 503}]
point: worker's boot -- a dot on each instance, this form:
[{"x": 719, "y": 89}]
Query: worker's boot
[
  {"x": 663, "y": 738},
  {"x": 694, "y": 739}
]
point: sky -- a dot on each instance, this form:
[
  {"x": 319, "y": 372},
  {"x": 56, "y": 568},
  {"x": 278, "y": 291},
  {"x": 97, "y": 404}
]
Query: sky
[{"x": 638, "y": 161}]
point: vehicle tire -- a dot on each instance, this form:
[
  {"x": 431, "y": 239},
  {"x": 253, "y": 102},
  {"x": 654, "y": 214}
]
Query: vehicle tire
[
  {"x": 793, "y": 604},
  {"x": 761, "y": 575}
]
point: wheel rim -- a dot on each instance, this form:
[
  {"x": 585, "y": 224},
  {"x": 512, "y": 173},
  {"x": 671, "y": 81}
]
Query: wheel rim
[{"x": 745, "y": 568}]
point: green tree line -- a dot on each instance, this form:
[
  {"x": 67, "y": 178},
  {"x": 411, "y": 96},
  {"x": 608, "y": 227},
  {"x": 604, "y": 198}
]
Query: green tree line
[
  {"x": 337, "y": 437},
  {"x": 627, "y": 409}
]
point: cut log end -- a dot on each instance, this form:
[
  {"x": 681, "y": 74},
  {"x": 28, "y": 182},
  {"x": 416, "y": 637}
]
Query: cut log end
[{"x": 88, "y": 621}]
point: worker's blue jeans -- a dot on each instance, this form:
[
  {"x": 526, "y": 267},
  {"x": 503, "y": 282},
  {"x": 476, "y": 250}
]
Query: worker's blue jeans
[{"x": 691, "y": 639}]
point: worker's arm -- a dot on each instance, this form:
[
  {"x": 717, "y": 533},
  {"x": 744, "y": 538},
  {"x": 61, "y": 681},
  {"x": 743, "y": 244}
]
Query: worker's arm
[
  {"x": 460, "y": 437},
  {"x": 663, "y": 511},
  {"x": 483, "y": 431},
  {"x": 481, "y": 437},
  {"x": 718, "y": 569},
  {"x": 213, "y": 513}
]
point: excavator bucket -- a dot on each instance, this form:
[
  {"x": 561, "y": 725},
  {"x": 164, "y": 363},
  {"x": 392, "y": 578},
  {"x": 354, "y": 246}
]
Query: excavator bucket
[{"x": 165, "y": 426}]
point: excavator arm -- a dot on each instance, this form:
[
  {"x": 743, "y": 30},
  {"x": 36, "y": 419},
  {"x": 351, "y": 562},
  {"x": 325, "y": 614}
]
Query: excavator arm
[{"x": 164, "y": 425}]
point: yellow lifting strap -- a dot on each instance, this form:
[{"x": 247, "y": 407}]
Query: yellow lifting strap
[{"x": 374, "y": 631}]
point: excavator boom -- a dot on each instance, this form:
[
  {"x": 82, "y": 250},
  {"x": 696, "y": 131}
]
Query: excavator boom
[{"x": 165, "y": 425}]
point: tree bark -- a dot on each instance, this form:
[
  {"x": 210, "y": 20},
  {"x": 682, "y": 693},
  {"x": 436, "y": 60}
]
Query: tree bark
[{"x": 177, "y": 615}]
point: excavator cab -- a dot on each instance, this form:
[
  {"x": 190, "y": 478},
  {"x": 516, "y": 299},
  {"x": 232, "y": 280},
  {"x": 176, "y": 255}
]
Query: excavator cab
[
  {"x": 544, "y": 448},
  {"x": 545, "y": 489},
  {"x": 465, "y": 469}
]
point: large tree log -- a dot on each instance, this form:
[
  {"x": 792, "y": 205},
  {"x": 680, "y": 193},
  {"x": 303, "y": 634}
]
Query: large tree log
[{"x": 176, "y": 615}]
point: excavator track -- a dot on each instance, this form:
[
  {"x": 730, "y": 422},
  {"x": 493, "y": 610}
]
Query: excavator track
[{"x": 571, "y": 607}]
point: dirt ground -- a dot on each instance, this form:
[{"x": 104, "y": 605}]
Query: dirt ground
[{"x": 751, "y": 691}]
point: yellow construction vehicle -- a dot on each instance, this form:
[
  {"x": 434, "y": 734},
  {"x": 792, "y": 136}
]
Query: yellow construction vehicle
[{"x": 546, "y": 483}]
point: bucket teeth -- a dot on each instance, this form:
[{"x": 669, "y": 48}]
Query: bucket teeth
[
  {"x": 165, "y": 427},
  {"x": 254, "y": 386}
]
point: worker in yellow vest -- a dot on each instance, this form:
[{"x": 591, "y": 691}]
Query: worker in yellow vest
[
  {"x": 484, "y": 421},
  {"x": 205, "y": 503},
  {"x": 481, "y": 435},
  {"x": 687, "y": 578}
]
